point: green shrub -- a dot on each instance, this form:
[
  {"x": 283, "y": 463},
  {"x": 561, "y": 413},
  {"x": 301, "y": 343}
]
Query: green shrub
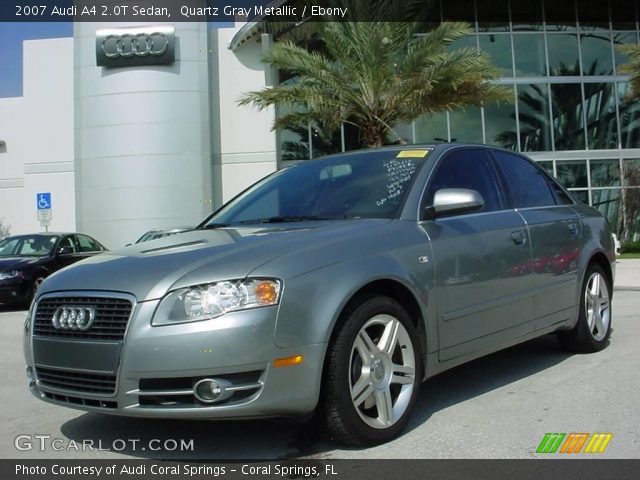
[{"x": 631, "y": 247}]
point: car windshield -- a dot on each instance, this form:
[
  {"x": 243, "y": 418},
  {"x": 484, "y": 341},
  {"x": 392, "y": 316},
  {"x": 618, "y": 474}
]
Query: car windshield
[
  {"x": 358, "y": 185},
  {"x": 27, "y": 246}
]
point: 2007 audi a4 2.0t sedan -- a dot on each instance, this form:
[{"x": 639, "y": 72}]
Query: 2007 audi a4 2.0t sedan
[{"x": 334, "y": 286}]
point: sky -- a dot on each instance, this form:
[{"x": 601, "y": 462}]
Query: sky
[{"x": 11, "y": 37}]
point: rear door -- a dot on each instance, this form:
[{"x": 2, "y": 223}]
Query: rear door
[
  {"x": 481, "y": 260},
  {"x": 554, "y": 230}
]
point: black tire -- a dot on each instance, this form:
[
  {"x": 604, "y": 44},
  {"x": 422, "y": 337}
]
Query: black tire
[
  {"x": 359, "y": 421},
  {"x": 33, "y": 290},
  {"x": 589, "y": 335}
]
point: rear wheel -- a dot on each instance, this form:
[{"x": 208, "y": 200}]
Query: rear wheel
[
  {"x": 593, "y": 328},
  {"x": 372, "y": 374}
]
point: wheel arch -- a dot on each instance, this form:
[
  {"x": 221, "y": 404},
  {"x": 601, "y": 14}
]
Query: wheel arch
[{"x": 397, "y": 291}]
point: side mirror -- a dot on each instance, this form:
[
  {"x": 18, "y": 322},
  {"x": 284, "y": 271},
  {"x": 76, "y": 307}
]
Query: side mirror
[
  {"x": 449, "y": 201},
  {"x": 66, "y": 250}
]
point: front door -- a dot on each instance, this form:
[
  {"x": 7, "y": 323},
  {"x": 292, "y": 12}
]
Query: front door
[{"x": 481, "y": 261}]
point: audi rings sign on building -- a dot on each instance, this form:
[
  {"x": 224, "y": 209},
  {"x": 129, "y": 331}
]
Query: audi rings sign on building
[
  {"x": 134, "y": 46},
  {"x": 74, "y": 318}
]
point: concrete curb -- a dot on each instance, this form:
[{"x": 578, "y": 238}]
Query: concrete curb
[{"x": 626, "y": 289}]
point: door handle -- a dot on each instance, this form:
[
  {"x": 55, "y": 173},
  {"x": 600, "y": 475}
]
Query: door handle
[
  {"x": 573, "y": 228},
  {"x": 518, "y": 237}
]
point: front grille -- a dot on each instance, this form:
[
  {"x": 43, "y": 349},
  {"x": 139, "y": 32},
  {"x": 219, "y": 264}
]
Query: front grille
[
  {"x": 112, "y": 316},
  {"x": 86, "y": 402},
  {"x": 76, "y": 381}
]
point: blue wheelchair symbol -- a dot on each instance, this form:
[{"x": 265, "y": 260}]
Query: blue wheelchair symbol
[{"x": 43, "y": 201}]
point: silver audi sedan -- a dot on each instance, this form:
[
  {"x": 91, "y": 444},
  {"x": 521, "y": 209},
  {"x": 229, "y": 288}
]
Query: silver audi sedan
[{"x": 334, "y": 286}]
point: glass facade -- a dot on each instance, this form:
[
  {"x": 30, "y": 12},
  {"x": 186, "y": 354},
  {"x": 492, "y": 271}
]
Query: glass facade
[{"x": 571, "y": 109}]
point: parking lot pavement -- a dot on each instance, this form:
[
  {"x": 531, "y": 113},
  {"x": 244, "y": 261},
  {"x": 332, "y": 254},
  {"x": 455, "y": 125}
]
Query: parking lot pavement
[
  {"x": 500, "y": 406},
  {"x": 628, "y": 274}
]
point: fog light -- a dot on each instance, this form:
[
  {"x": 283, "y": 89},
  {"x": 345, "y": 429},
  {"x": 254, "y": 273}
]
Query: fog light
[
  {"x": 208, "y": 390},
  {"x": 30, "y": 373}
]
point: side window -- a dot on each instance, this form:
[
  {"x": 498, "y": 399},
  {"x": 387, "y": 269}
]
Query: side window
[
  {"x": 68, "y": 242},
  {"x": 470, "y": 169},
  {"x": 88, "y": 244},
  {"x": 561, "y": 196},
  {"x": 528, "y": 185}
]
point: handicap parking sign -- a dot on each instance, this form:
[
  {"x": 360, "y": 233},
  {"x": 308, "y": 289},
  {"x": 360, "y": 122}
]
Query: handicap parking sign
[{"x": 43, "y": 201}]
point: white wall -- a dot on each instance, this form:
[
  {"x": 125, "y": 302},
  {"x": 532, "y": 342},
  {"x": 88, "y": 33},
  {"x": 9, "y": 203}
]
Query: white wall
[
  {"x": 244, "y": 147},
  {"x": 38, "y": 131}
]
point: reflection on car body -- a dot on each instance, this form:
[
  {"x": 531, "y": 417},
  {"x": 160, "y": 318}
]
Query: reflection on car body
[{"x": 341, "y": 282}]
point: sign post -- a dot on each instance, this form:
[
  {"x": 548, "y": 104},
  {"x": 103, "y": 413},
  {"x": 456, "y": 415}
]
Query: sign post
[{"x": 43, "y": 206}]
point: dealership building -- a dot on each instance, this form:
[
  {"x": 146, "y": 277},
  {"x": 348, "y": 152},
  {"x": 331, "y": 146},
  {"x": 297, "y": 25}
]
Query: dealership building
[{"x": 127, "y": 143}]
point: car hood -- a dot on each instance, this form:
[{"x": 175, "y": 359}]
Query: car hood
[
  {"x": 16, "y": 263},
  {"x": 149, "y": 270}
]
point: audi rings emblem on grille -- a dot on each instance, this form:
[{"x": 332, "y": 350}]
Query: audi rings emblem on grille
[
  {"x": 74, "y": 318},
  {"x": 129, "y": 45}
]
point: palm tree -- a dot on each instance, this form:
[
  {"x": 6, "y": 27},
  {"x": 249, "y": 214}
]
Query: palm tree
[
  {"x": 632, "y": 67},
  {"x": 377, "y": 74}
]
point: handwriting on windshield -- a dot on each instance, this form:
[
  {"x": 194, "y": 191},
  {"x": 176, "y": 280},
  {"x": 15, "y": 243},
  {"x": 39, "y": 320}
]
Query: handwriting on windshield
[{"x": 399, "y": 172}]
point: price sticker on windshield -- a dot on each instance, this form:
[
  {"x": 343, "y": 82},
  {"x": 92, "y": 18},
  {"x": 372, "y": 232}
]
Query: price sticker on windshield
[{"x": 413, "y": 153}]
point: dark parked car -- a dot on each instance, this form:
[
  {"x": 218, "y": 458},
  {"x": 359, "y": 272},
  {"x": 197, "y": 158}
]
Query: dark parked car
[
  {"x": 339, "y": 283},
  {"x": 26, "y": 260}
]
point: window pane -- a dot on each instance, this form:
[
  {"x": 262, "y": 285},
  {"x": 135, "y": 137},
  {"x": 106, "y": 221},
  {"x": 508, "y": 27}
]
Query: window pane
[
  {"x": 547, "y": 165},
  {"x": 580, "y": 196},
  {"x": 493, "y": 15},
  {"x": 528, "y": 185},
  {"x": 462, "y": 10},
  {"x": 631, "y": 172},
  {"x": 625, "y": 38},
  {"x": 568, "y": 120},
  {"x": 597, "y": 57},
  {"x": 608, "y": 202},
  {"x": 605, "y": 173},
  {"x": 466, "y": 125},
  {"x": 563, "y": 54},
  {"x": 602, "y": 123},
  {"x": 325, "y": 142},
  {"x": 629, "y": 118},
  {"x": 533, "y": 117},
  {"x": 560, "y": 15},
  {"x": 499, "y": 49},
  {"x": 529, "y": 54},
  {"x": 500, "y": 125},
  {"x": 432, "y": 128},
  {"x": 526, "y": 15},
  {"x": 471, "y": 169},
  {"x": 593, "y": 15},
  {"x": 623, "y": 14},
  {"x": 572, "y": 173},
  {"x": 468, "y": 41}
]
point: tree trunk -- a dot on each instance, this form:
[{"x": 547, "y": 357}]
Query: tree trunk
[{"x": 374, "y": 133}]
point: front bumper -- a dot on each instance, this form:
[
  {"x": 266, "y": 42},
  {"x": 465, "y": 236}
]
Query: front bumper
[{"x": 152, "y": 370}]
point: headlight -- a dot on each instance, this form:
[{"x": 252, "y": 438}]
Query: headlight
[
  {"x": 10, "y": 274},
  {"x": 202, "y": 302}
]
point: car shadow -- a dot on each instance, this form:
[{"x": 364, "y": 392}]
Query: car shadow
[
  {"x": 282, "y": 439},
  {"x": 6, "y": 308}
]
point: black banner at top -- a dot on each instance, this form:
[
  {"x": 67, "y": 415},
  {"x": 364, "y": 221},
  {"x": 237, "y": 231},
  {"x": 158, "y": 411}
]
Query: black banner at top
[{"x": 598, "y": 12}]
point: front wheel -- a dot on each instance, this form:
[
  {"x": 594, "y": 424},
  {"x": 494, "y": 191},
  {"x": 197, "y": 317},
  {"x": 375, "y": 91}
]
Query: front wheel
[
  {"x": 592, "y": 331},
  {"x": 372, "y": 374}
]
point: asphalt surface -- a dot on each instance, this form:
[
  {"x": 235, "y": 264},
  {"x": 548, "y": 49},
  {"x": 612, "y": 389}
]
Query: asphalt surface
[{"x": 499, "y": 406}]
